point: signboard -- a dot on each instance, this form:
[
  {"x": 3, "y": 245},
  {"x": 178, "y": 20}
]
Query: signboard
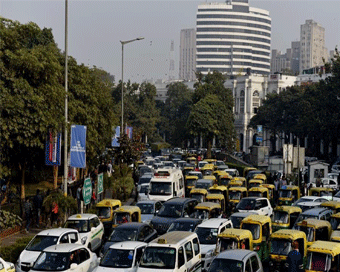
[
  {"x": 52, "y": 149},
  {"x": 288, "y": 152},
  {"x": 115, "y": 142},
  {"x": 87, "y": 191},
  {"x": 259, "y": 139},
  {"x": 299, "y": 157},
  {"x": 78, "y": 146},
  {"x": 100, "y": 183},
  {"x": 259, "y": 129}
]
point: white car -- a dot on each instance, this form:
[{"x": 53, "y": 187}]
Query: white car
[
  {"x": 90, "y": 228},
  {"x": 66, "y": 257},
  {"x": 207, "y": 233},
  {"x": 43, "y": 240},
  {"x": 258, "y": 205},
  {"x": 122, "y": 257},
  {"x": 6, "y": 266},
  {"x": 309, "y": 202},
  {"x": 143, "y": 191}
]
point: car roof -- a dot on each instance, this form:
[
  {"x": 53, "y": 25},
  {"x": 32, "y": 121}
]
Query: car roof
[
  {"x": 188, "y": 220},
  {"x": 315, "y": 211},
  {"x": 147, "y": 202},
  {"x": 131, "y": 225},
  {"x": 253, "y": 197},
  {"x": 179, "y": 200},
  {"x": 242, "y": 214},
  {"x": 172, "y": 237},
  {"x": 204, "y": 181},
  {"x": 63, "y": 247},
  {"x": 213, "y": 222},
  {"x": 128, "y": 245},
  {"x": 234, "y": 254},
  {"x": 56, "y": 231},
  {"x": 83, "y": 216},
  {"x": 312, "y": 197}
]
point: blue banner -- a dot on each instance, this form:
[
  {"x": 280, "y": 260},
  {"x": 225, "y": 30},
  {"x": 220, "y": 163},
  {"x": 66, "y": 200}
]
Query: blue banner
[
  {"x": 115, "y": 142},
  {"x": 52, "y": 149},
  {"x": 78, "y": 146}
]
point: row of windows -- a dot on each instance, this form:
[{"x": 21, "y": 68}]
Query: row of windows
[
  {"x": 242, "y": 50},
  {"x": 229, "y": 57},
  {"x": 220, "y": 36},
  {"x": 229, "y": 16},
  {"x": 228, "y": 63},
  {"x": 228, "y": 70},
  {"x": 238, "y": 30},
  {"x": 232, "y": 43},
  {"x": 233, "y": 24}
]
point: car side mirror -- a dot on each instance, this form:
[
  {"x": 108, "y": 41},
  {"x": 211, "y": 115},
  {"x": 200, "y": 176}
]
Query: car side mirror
[
  {"x": 93, "y": 229},
  {"x": 73, "y": 266},
  {"x": 98, "y": 260}
]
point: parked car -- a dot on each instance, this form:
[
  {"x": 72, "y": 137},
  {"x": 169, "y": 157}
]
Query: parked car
[
  {"x": 66, "y": 257},
  {"x": 185, "y": 224},
  {"x": 43, "y": 240},
  {"x": 149, "y": 209},
  {"x": 259, "y": 205}
]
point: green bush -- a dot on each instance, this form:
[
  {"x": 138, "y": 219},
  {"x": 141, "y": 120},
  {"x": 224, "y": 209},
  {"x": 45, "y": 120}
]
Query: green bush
[
  {"x": 11, "y": 253},
  {"x": 9, "y": 220}
]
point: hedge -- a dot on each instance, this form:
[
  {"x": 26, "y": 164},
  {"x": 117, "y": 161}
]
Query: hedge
[
  {"x": 239, "y": 167},
  {"x": 11, "y": 253}
]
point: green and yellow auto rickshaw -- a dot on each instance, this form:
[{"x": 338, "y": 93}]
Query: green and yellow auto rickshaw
[
  {"x": 243, "y": 179},
  {"x": 261, "y": 229},
  {"x": 262, "y": 177},
  {"x": 190, "y": 182},
  {"x": 199, "y": 193},
  {"x": 235, "y": 183},
  {"x": 285, "y": 216},
  {"x": 246, "y": 170},
  {"x": 335, "y": 236},
  {"x": 207, "y": 210},
  {"x": 217, "y": 198},
  {"x": 216, "y": 189},
  {"x": 315, "y": 230},
  {"x": 322, "y": 192},
  {"x": 224, "y": 180},
  {"x": 254, "y": 183},
  {"x": 234, "y": 239},
  {"x": 288, "y": 194},
  {"x": 332, "y": 205},
  {"x": 280, "y": 246},
  {"x": 126, "y": 214},
  {"x": 207, "y": 169},
  {"x": 105, "y": 209},
  {"x": 259, "y": 192}
]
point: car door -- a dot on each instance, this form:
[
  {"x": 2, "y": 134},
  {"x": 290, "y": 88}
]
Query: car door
[
  {"x": 84, "y": 259},
  {"x": 150, "y": 234},
  {"x": 255, "y": 263},
  {"x": 95, "y": 240},
  {"x": 181, "y": 263},
  {"x": 64, "y": 239},
  {"x": 189, "y": 253},
  {"x": 138, "y": 254},
  {"x": 247, "y": 267}
]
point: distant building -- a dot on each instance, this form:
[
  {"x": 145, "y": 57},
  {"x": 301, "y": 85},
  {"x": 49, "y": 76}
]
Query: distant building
[
  {"x": 162, "y": 90},
  {"x": 282, "y": 63},
  {"x": 312, "y": 45},
  {"x": 233, "y": 38},
  {"x": 187, "y": 55}
]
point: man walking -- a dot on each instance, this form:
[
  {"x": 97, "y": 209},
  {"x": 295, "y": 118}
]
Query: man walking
[
  {"x": 37, "y": 202},
  {"x": 28, "y": 213},
  {"x": 294, "y": 259},
  {"x": 79, "y": 197}
]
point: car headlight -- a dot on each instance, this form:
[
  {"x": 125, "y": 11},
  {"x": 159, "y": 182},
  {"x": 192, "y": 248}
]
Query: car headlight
[
  {"x": 271, "y": 263},
  {"x": 83, "y": 240},
  {"x": 209, "y": 253}
]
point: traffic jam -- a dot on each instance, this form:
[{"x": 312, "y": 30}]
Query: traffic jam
[{"x": 195, "y": 215}]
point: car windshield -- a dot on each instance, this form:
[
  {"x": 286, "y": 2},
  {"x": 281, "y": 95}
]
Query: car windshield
[
  {"x": 40, "y": 242},
  {"x": 326, "y": 193},
  {"x": 80, "y": 225},
  {"x": 318, "y": 261},
  {"x": 215, "y": 191},
  {"x": 335, "y": 223},
  {"x": 117, "y": 258},
  {"x": 199, "y": 197},
  {"x": 146, "y": 208},
  {"x": 254, "y": 229},
  {"x": 103, "y": 212},
  {"x": 253, "y": 193},
  {"x": 122, "y": 234},
  {"x": 308, "y": 231},
  {"x": 224, "y": 181},
  {"x": 236, "y": 220},
  {"x": 171, "y": 210},
  {"x": 144, "y": 180},
  {"x": 306, "y": 216},
  {"x": 225, "y": 265},
  {"x": 227, "y": 244},
  {"x": 160, "y": 188},
  {"x": 144, "y": 170},
  {"x": 201, "y": 214},
  {"x": 201, "y": 164},
  {"x": 303, "y": 199},
  {"x": 191, "y": 182},
  {"x": 182, "y": 226},
  {"x": 207, "y": 235},
  {"x": 203, "y": 185},
  {"x": 52, "y": 261},
  {"x": 159, "y": 257},
  {"x": 280, "y": 247},
  {"x": 121, "y": 217},
  {"x": 234, "y": 195},
  {"x": 281, "y": 217},
  {"x": 246, "y": 204},
  {"x": 285, "y": 193},
  {"x": 144, "y": 189}
]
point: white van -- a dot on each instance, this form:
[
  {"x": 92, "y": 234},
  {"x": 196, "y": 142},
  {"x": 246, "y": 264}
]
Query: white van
[
  {"x": 176, "y": 251},
  {"x": 166, "y": 184}
]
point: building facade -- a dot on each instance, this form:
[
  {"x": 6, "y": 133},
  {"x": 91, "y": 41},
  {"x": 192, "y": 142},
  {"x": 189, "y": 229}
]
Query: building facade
[
  {"x": 233, "y": 38},
  {"x": 187, "y": 55},
  {"x": 279, "y": 62},
  {"x": 312, "y": 45}
]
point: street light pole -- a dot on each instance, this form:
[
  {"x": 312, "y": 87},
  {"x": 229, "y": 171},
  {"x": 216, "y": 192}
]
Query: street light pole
[
  {"x": 123, "y": 43},
  {"x": 66, "y": 101}
]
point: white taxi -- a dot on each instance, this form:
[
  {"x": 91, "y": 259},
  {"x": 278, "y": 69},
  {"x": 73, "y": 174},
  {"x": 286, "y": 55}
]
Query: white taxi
[
  {"x": 66, "y": 257},
  {"x": 90, "y": 228},
  {"x": 43, "y": 240},
  {"x": 6, "y": 266}
]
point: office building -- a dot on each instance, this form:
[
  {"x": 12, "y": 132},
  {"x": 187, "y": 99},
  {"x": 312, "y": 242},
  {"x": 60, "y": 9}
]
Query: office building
[{"x": 187, "y": 55}]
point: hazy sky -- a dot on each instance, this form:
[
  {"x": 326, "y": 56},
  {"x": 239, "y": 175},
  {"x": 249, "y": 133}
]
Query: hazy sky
[{"x": 97, "y": 26}]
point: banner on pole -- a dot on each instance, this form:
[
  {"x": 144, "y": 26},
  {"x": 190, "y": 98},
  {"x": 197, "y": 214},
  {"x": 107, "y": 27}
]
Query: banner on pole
[
  {"x": 87, "y": 191},
  {"x": 52, "y": 149},
  {"x": 115, "y": 142},
  {"x": 78, "y": 146},
  {"x": 128, "y": 132},
  {"x": 100, "y": 183}
]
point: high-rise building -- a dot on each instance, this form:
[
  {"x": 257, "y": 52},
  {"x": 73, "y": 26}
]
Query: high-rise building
[
  {"x": 312, "y": 45},
  {"x": 295, "y": 57},
  {"x": 233, "y": 38},
  {"x": 288, "y": 62},
  {"x": 187, "y": 55}
]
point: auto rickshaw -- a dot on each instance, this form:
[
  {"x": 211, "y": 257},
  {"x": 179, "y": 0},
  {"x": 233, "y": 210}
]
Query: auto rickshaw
[
  {"x": 246, "y": 170},
  {"x": 335, "y": 236},
  {"x": 207, "y": 169},
  {"x": 218, "y": 173},
  {"x": 255, "y": 183},
  {"x": 261, "y": 229},
  {"x": 271, "y": 189},
  {"x": 105, "y": 210},
  {"x": 211, "y": 161},
  {"x": 212, "y": 177},
  {"x": 126, "y": 214},
  {"x": 285, "y": 217},
  {"x": 191, "y": 160},
  {"x": 259, "y": 192},
  {"x": 262, "y": 177},
  {"x": 215, "y": 189},
  {"x": 321, "y": 191},
  {"x": 288, "y": 194},
  {"x": 323, "y": 256},
  {"x": 139, "y": 163},
  {"x": 187, "y": 168},
  {"x": 281, "y": 244},
  {"x": 235, "y": 194},
  {"x": 335, "y": 221},
  {"x": 190, "y": 182},
  {"x": 217, "y": 198},
  {"x": 332, "y": 205},
  {"x": 199, "y": 193},
  {"x": 235, "y": 183},
  {"x": 234, "y": 239},
  {"x": 315, "y": 230},
  {"x": 207, "y": 210},
  {"x": 243, "y": 179},
  {"x": 224, "y": 180}
]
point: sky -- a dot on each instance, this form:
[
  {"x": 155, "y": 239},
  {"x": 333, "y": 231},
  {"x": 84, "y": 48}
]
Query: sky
[{"x": 95, "y": 29}]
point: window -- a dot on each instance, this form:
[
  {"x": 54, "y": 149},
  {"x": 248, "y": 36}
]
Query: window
[
  {"x": 265, "y": 230},
  {"x": 74, "y": 257},
  {"x": 64, "y": 239},
  {"x": 83, "y": 255},
  {"x": 254, "y": 263},
  {"x": 248, "y": 268},
  {"x": 1, "y": 266},
  {"x": 196, "y": 246},
  {"x": 188, "y": 251},
  {"x": 242, "y": 102},
  {"x": 92, "y": 224},
  {"x": 148, "y": 231},
  {"x": 139, "y": 253},
  {"x": 158, "y": 206},
  {"x": 96, "y": 221},
  {"x": 73, "y": 237},
  {"x": 181, "y": 260}
]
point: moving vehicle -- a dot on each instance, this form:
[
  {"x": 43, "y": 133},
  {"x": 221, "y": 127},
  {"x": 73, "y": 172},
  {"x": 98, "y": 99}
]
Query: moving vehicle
[
  {"x": 190, "y": 182},
  {"x": 232, "y": 172},
  {"x": 234, "y": 239},
  {"x": 246, "y": 170},
  {"x": 126, "y": 214},
  {"x": 235, "y": 183},
  {"x": 224, "y": 180},
  {"x": 175, "y": 251},
  {"x": 243, "y": 179},
  {"x": 217, "y": 198},
  {"x": 259, "y": 192},
  {"x": 207, "y": 210},
  {"x": 199, "y": 194},
  {"x": 105, "y": 210},
  {"x": 207, "y": 169},
  {"x": 315, "y": 230},
  {"x": 281, "y": 244},
  {"x": 259, "y": 205},
  {"x": 216, "y": 189},
  {"x": 288, "y": 194},
  {"x": 149, "y": 208},
  {"x": 143, "y": 193},
  {"x": 254, "y": 183},
  {"x": 335, "y": 236},
  {"x": 204, "y": 183},
  {"x": 285, "y": 217},
  {"x": 185, "y": 224},
  {"x": 305, "y": 199},
  {"x": 261, "y": 229}
]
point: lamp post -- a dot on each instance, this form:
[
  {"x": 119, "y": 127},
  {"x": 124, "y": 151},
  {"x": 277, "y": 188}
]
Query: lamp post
[{"x": 123, "y": 43}]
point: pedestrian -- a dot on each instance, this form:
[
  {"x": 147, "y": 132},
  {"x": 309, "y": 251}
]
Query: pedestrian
[
  {"x": 28, "y": 208},
  {"x": 54, "y": 213},
  {"x": 93, "y": 197},
  {"x": 79, "y": 197},
  {"x": 37, "y": 203},
  {"x": 294, "y": 259},
  {"x": 276, "y": 184}
]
